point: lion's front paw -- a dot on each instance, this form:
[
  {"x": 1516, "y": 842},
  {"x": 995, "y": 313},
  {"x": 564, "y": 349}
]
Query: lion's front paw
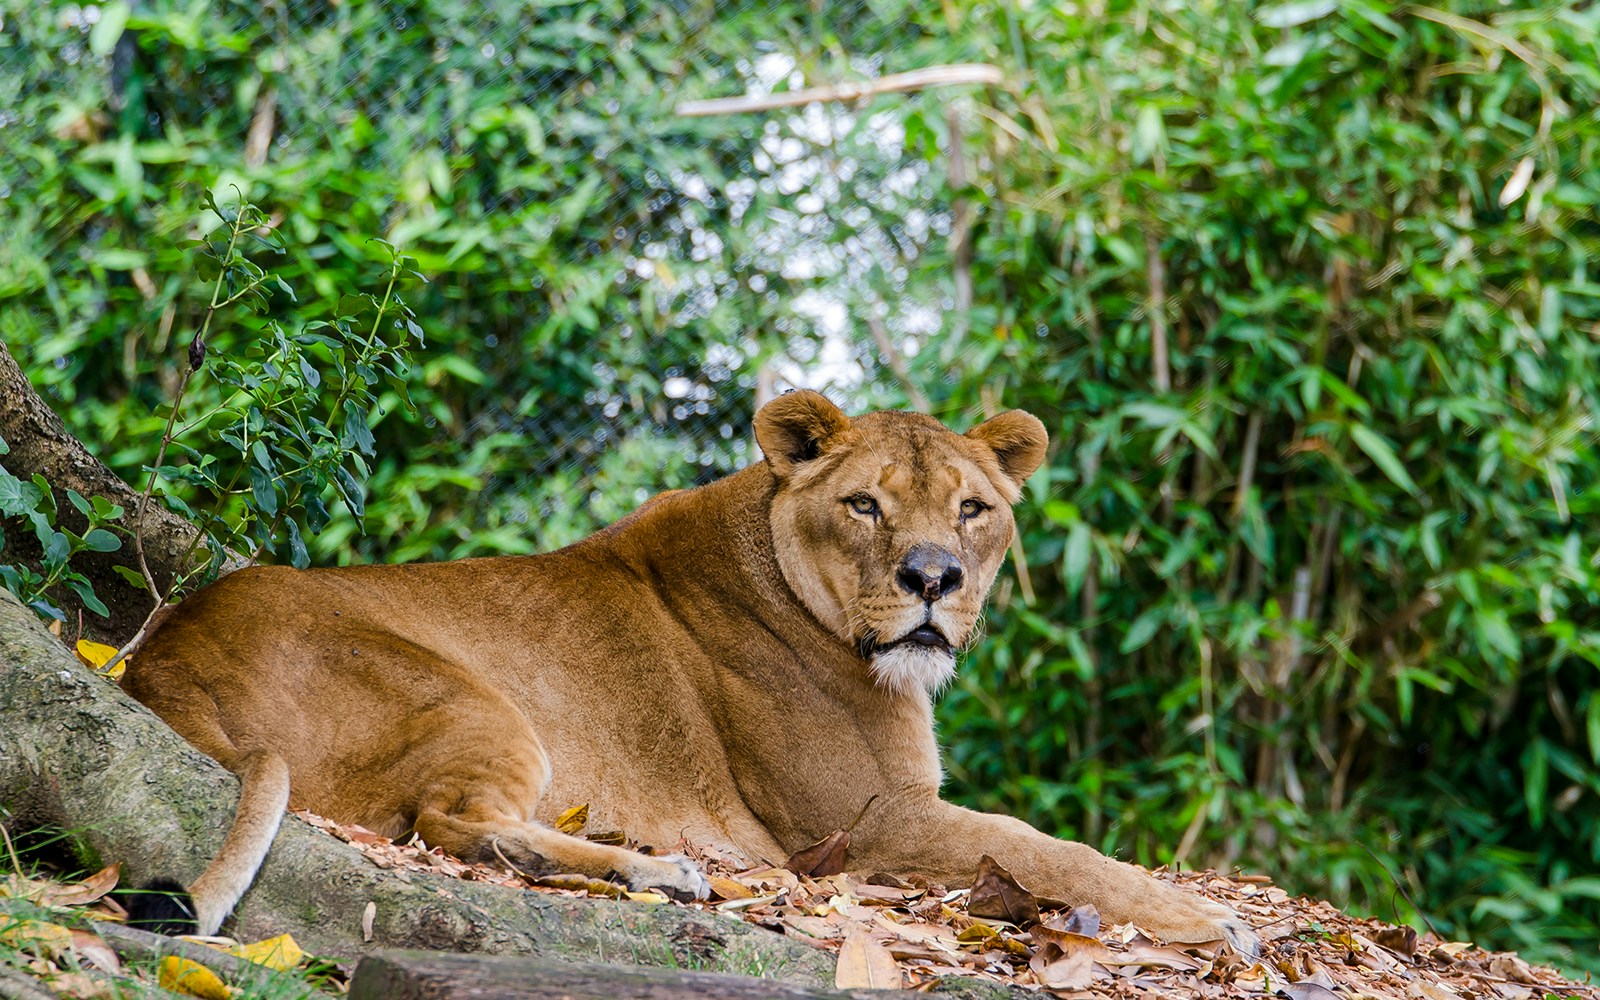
[
  {"x": 1191, "y": 919},
  {"x": 672, "y": 874}
]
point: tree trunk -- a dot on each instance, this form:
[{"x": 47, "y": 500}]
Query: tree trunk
[
  {"x": 81, "y": 755},
  {"x": 40, "y": 443}
]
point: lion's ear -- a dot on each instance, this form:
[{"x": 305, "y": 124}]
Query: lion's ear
[
  {"x": 795, "y": 427},
  {"x": 1018, "y": 440}
]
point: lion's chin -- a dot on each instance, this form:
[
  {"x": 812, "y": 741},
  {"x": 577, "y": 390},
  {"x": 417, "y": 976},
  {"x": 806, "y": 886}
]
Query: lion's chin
[{"x": 908, "y": 667}]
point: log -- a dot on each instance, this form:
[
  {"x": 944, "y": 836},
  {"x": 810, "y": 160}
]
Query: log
[
  {"x": 79, "y": 754},
  {"x": 423, "y": 975}
]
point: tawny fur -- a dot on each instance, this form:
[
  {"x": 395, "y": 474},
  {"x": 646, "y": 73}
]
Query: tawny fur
[{"x": 701, "y": 669}]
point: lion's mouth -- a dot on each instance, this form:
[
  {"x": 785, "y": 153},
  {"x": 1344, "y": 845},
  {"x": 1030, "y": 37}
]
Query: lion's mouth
[{"x": 925, "y": 635}]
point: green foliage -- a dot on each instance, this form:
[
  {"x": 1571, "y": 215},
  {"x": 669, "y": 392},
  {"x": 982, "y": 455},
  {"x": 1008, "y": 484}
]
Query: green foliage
[
  {"x": 1329, "y": 598},
  {"x": 33, "y": 501},
  {"x": 292, "y": 425},
  {"x": 1314, "y": 594}
]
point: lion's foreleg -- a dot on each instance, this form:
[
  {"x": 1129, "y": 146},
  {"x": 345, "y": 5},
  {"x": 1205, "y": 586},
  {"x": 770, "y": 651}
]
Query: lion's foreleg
[
  {"x": 928, "y": 836},
  {"x": 477, "y": 834}
]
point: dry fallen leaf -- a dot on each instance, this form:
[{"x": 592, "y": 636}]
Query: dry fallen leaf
[
  {"x": 180, "y": 975},
  {"x": 864, "y": 964},
  {"x": 1421, "y": 990},
  {"x": 573, "y": 820},
  {"x": 1400, "y": 940},
  {"x": 94, "y": 951},
  {"x": 1513, "y": 968},
  {"x": 82, "y": 893},
  {"x": 932, "y": 935},
  {"x": 1069, "y": 943},
  {"x": 1061, "y": 971},
  {"x": 1142, "y": 952},
  {"x": 997, "y": 896},
  {"x": 1064, "y": 960},
  {"x": 825, "y": 857}
]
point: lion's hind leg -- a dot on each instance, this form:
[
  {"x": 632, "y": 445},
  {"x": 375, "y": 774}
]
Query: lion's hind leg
[{"x": 478, "y": 831}]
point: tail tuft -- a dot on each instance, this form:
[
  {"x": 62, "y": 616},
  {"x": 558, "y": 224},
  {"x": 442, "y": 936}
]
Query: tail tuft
[{"x": 162, "y": 907}]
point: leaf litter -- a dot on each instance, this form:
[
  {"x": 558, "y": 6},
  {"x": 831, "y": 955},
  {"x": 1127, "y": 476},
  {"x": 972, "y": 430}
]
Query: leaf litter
[
  {"x": 912, "y": 933},
  {"x": 79, "y": 963}
]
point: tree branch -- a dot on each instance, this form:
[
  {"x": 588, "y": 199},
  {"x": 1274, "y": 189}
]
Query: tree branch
[{"x": 917, "y": 79}]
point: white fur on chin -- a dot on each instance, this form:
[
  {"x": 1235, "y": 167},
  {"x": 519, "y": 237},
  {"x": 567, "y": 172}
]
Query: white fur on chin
[{"x": 908, "y": 667}]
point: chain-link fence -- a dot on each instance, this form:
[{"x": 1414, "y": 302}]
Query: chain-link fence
[{"x": 613, "y": 283}]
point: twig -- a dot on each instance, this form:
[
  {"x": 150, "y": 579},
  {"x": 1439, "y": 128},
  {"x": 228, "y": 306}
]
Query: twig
[
  {"x": 1191, "y": 834},
  {"x": 1420, "y": 605},
  {"x": 1551, "y": 104},
  {"x": 917, "y": 79},
  {"x": 897, "y": 363},
  {"x": 196, "y": 358},
  {"x": 1402, "y": 891}
]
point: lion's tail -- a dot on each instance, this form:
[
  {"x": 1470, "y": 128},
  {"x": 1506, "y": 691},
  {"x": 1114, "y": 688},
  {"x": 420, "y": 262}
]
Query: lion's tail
[{"x": 164, "y": 906}]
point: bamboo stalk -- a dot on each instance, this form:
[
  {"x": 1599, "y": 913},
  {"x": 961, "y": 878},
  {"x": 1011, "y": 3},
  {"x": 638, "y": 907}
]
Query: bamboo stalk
[
  {"x": 960, "y": 228},
  {"x": 1160, "y": 364}
]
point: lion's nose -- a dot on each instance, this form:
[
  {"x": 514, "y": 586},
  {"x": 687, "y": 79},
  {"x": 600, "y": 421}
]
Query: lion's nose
[{"x": 930, "y": 572}]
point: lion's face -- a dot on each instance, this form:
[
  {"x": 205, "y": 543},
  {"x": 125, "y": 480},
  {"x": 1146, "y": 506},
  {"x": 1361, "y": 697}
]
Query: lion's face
[{"x": 890, "y": 527}]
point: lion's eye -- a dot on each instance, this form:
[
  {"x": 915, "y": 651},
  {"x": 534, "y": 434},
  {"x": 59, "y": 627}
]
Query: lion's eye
[
  {"x": 864, "y": 505},
  {"x": 972, "y": 508}
]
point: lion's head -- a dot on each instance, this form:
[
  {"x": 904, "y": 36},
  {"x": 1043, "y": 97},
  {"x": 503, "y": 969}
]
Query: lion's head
[{"x": 890, "y": 527}]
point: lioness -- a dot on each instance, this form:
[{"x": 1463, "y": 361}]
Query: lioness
[{"x": 749, "y": 664}]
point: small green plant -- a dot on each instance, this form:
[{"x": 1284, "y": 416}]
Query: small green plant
[
  {"x": 293, "y": 424},
  {"x": 255, "y": 462},
  {"x": 32, "y": 500},
  {"x": 254, "y": 469}
]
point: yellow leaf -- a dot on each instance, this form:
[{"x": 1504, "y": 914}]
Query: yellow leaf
[
  {"x": 97, "y": 654},
  {"x": 571, "y": 821},
  {"x": 279, "y": 954},
  {"x": 648, "y": 896},
  {"x": 37, "y": 936},
  {"x": 727, "y": 888},
  {"x": 180, "y": 975}
]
